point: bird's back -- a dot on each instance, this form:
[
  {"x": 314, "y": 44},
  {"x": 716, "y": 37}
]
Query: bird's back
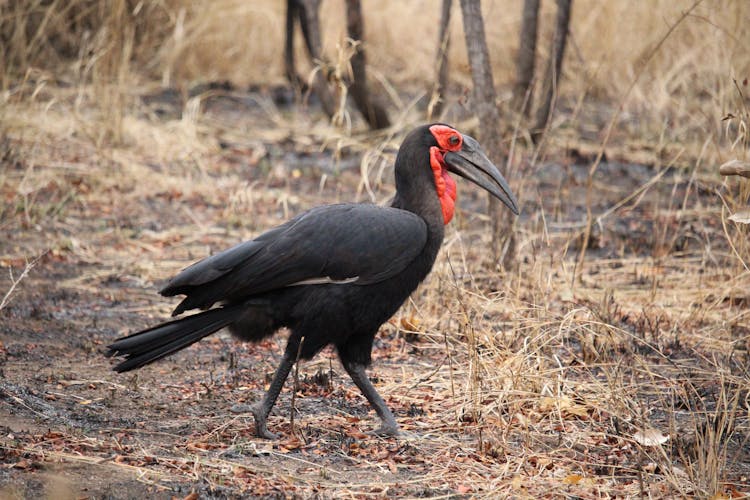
[{"x": 355, "y": 244}]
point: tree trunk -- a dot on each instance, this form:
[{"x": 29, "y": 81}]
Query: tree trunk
[
  {"x": 290, "y": 68},
  {"x": 522, "y": 91},
  {"x": 503, "y": 240},
  {"x": 310, "y": 24},
  {"x": 372, "y": 111},
  {"x": 438, "y": 91},
  {"x": 554, "y": 68}
]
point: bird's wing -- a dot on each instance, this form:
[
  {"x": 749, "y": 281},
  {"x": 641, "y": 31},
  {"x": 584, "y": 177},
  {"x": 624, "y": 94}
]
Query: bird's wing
[{"x": 344, "y": 243}]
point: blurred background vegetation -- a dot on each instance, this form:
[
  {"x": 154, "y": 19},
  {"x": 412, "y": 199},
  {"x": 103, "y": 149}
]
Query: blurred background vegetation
[{"x": 681, "y": 93}]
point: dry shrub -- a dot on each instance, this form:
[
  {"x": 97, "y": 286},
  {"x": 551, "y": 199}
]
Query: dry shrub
[
  {"x": 56, "y": 35},
  {"x": 88, "y": 44}
]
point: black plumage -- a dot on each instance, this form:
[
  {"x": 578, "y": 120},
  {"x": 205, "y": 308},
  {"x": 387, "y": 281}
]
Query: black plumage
[{"x": 333, "y": 275}]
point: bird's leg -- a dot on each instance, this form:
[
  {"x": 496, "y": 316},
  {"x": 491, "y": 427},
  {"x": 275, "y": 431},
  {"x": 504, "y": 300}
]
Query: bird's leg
[
  {"x": 261, "y": 410},
  {"x": 356, "y": 371}
]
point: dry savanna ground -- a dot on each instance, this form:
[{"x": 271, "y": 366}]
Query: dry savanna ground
[{"x": 137, "y": 137}]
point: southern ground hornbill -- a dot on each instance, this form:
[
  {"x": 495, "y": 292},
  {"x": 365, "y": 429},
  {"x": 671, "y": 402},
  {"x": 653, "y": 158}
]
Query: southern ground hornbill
[{"x": 332, "y": 275}]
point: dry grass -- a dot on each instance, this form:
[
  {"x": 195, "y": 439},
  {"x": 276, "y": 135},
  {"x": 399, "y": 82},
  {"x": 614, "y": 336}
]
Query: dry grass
[
  {"x": 682, "y": 95},
  {"x": 530, "y": 380}
]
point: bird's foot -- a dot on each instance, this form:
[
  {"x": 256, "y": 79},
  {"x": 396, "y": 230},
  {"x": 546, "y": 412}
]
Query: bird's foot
[
  {"x": 393, "y": 431},
  {"x": 407, "y": 435},
  {"x": 240, "y": 408},
  {"x": 262, "y": 432},
  {"x": 260, "y": 422},
  {"x": 386, "y": 430}
]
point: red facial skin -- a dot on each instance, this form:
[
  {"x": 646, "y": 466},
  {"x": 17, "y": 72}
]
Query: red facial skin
[{"x": 448, "y": 139}]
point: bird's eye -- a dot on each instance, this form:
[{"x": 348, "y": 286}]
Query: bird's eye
[{"x": 454, "y": 140}]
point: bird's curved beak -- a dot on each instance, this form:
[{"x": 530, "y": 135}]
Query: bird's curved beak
[{"x": 472, "y": 164}]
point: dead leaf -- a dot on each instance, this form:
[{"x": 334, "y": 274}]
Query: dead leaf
[
  {"x": 650, "y": 437},
  {"x": 578, "y": 410},
  {"x": 563, "y": 404},
  {"x": 518, "y": 482},
  {"x": 410, "y": 324},
  {"x": 572, "y": 479},
  {"x": 735, "y": 167},
  {"x": 741, "y": 217},
  {"x": 290, "y": 444},
  {"x": 542, "y": 462},
  {"x": 522, "y": 419},
  {"x": 23, "y": 464},
  {"x": 356, "y": 434},
  {"x": 548, "y": 403},
  {"x": 650, "y": 468},
  {"x": 463, "y": 489},
  {"x": 202, "y": 445}
]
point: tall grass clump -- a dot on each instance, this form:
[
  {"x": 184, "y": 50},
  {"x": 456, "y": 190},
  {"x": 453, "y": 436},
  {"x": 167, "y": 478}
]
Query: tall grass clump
[{"x": 89, "y": 46}]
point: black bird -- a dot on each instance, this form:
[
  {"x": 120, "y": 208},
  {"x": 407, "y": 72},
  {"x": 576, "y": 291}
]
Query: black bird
[{"x": 332, "y": 275}]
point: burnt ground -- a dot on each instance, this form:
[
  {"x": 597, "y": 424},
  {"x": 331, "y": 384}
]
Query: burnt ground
[{"x": 106, "y": 236}]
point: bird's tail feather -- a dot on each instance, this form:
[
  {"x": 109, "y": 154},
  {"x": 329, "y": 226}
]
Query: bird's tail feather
[{"x": 154, "y": 343}]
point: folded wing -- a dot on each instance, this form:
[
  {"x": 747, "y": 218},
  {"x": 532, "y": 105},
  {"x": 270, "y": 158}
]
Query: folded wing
[{"x": 347, "y": 243}]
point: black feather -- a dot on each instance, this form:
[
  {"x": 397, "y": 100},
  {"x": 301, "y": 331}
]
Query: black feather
[{"x": 162, "y": 340}]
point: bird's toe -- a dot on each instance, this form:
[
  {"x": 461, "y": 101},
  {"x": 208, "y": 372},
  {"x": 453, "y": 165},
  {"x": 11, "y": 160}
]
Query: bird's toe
[
  {"x": 407, "y": 435},
  {"x": 256, "y": 411},
  {"x": 241, "y": 408},
  {"x": 264, "y": 433},
  {"x": 386, "y": 431},
  {"x": 260, "y": 422}
]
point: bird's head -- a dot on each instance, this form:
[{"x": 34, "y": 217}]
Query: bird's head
[{"x": 450, "y": 151}]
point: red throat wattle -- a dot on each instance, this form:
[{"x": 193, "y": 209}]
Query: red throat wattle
[{"x": 444, "y": 184}]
